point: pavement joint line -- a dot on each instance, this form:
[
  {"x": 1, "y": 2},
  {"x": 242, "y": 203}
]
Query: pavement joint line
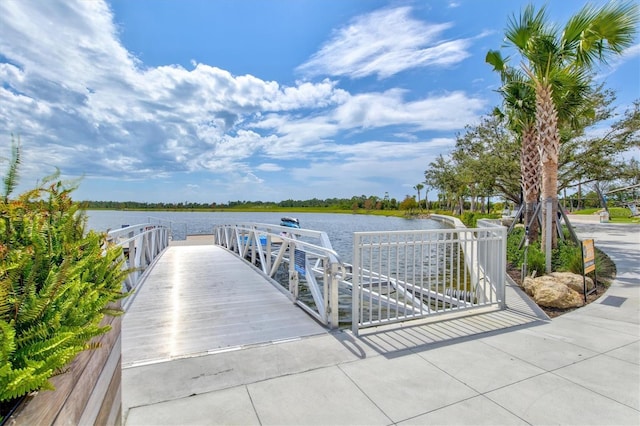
[
  {"x": 604, "y": 395},
  {"x": 366, "y": 395},
  {"x": 253, "y": 405}
]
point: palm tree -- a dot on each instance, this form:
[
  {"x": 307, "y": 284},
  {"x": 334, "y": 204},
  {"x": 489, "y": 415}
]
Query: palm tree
[
  {"x": 419, "y": 188},
  {"x": 519, "y": 100},
  {"x": 555, "y": 59}
]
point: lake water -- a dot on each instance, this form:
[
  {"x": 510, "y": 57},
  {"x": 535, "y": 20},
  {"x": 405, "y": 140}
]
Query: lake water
[{"x": 339, "y": 227}]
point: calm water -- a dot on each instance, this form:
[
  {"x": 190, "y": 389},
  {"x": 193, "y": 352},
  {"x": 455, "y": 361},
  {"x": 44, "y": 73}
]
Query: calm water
[{"x": 339, "y": 227}]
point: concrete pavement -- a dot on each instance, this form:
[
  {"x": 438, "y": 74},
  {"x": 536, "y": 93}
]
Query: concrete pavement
[{"x": 510, "y": 367}]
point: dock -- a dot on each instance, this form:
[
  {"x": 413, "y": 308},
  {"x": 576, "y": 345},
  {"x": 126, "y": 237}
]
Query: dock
[
  {"x": 190, "y": 358},
  {"x": 201, "y": 299}
]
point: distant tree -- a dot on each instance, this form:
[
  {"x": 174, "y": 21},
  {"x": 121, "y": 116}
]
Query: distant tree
[
  {"x": 419, "y": 188},
  {"x": 409, "y": 203},
  {"x": 447, "y": 177}
]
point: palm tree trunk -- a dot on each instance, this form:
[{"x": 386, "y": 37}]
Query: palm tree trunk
[
  {"x": 530, "y": 171},
  {"x": 549, "y": 147}
]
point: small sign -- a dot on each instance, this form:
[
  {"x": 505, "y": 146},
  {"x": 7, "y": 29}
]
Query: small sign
[
  {"x": 588, "y": 256},
  {"x": 300, "y": 261}
]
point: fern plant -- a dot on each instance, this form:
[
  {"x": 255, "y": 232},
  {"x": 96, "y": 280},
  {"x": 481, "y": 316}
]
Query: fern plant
[{"x": 56, "y": 283}]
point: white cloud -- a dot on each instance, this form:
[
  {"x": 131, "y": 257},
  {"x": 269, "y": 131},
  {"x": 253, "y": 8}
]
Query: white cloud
[
  {"x": 384, "y": 43},
  {"x": 442, "y": 112},
  {"x": 357, "y": 167},
  {"x": 80, "y": 101},
  {"x": 269, "y": 167},
  {"x": 627, "y": 55}
]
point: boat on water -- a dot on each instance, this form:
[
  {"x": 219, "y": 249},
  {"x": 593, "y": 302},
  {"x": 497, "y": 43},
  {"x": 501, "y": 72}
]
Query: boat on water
[{"x": 290, "y": 222}]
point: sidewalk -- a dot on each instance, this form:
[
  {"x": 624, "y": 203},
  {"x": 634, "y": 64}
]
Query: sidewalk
[{"x": 580, "y": 368}]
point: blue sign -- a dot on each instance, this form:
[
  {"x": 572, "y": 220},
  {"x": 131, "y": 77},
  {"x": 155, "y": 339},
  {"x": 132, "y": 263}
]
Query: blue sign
[{"x": 300, "y": 261}]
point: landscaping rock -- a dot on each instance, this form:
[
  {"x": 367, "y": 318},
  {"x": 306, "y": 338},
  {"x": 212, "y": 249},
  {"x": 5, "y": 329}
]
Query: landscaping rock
[
  {"x": 573, "y": 281},
  {"x": 548, "y": 291}
]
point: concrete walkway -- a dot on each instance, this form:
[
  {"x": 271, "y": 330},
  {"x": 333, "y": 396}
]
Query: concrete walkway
[{"x": 580, "y": 368}]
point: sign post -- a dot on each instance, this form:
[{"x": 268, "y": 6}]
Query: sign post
[{"x": 588, "y": 264}]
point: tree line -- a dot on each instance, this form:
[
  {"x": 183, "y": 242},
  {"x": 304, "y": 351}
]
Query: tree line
[{"x": 366, "y": 202}]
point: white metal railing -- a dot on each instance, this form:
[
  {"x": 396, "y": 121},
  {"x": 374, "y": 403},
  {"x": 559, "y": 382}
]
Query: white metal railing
[
  {"x": 422, "y": 273},
  {"x": 302, "y": 259},
  {"x": 141, "y": 244},
  {"x": 177, "y": 230},
  {"x": 396, "y": 276}
]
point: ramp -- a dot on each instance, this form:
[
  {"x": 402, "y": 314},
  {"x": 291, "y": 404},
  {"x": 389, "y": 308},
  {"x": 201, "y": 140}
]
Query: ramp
[{"x": 201, "y": 299}]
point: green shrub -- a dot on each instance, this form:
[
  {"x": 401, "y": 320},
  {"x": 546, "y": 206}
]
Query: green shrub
[
  {"x": 536, "y": 260},
  {"x": 619, "y": 212},
  {"x": 567, "y": 257},
  {"x": 56, "y": 284},
  {"x": 514, "y": 254},
  {"x": 469, "y": 219}
]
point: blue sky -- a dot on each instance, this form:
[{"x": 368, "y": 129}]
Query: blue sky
[{"x": 212, "y": 101}]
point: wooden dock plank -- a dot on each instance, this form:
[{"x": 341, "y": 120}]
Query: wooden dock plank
[{"x": 201, "y": 298}]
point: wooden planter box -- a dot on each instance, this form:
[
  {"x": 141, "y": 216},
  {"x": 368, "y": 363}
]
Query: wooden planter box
[{"x": 88, "y": 393}]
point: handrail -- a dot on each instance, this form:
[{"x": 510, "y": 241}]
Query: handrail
[
  {"x": 426, "y": 272},
  {"x": 175, "y": 233},
  {"x": 306, "y": 256},
  {"x": 141, "y": 245},
  {"x": 396, "y": 275}
]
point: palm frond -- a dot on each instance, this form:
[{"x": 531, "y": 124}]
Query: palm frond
[
  {"x": 594, "y": 34},
  {"x": 10, "y": 180}
]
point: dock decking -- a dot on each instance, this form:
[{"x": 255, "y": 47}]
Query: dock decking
[{"x": 200, "y": 299}]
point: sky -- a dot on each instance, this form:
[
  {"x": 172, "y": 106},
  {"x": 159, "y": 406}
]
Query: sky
[{"x": 211, "y": 101}]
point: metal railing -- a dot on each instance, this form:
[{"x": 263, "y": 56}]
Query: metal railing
[
  {"x": 404, "y": 275},
  {"x": 302, "y": 261},
  {"x": 396, "y": 276},
  {"x": 177, "y": 230},
  {"x": 141, "y": 244}
]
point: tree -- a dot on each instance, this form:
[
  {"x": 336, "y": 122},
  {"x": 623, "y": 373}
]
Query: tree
[
  {"x": 486, "y": 154},
  {"x": 519, "y": 112},
  {"x": 445, "y": 176},
  {"x": 409, "y": 203},
  {"x": 554, "y": 59},
  {"x": 419, "y": 188}
]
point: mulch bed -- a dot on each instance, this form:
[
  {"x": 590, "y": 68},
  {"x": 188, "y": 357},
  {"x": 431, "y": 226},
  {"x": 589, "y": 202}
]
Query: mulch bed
[{"x": 601, "y": 287}]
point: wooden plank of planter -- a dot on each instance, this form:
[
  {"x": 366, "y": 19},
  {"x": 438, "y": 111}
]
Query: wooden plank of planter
[
  {"x": 47, "y": 407},
  {"x": 85, "y": 383},
  {"x": 111, "y": 409},
  {"x": 102, "y": 398}
]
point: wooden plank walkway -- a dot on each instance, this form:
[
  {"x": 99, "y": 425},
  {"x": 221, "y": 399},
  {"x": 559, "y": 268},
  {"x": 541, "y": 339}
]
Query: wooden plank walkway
[{"x": 200, "y": 299}]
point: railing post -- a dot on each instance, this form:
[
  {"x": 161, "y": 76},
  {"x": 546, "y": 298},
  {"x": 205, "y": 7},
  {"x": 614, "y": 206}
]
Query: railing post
[
  {"x": 294, "y": 281},
  {"x": 334, "y": 283},
  {"x": 503, "y": 266},
  {"x": 355, "y": 288},
  {"x": 132, "y": 250}
]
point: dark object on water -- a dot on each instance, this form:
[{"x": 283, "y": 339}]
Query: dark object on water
[{"x": 290, "y": 222}]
